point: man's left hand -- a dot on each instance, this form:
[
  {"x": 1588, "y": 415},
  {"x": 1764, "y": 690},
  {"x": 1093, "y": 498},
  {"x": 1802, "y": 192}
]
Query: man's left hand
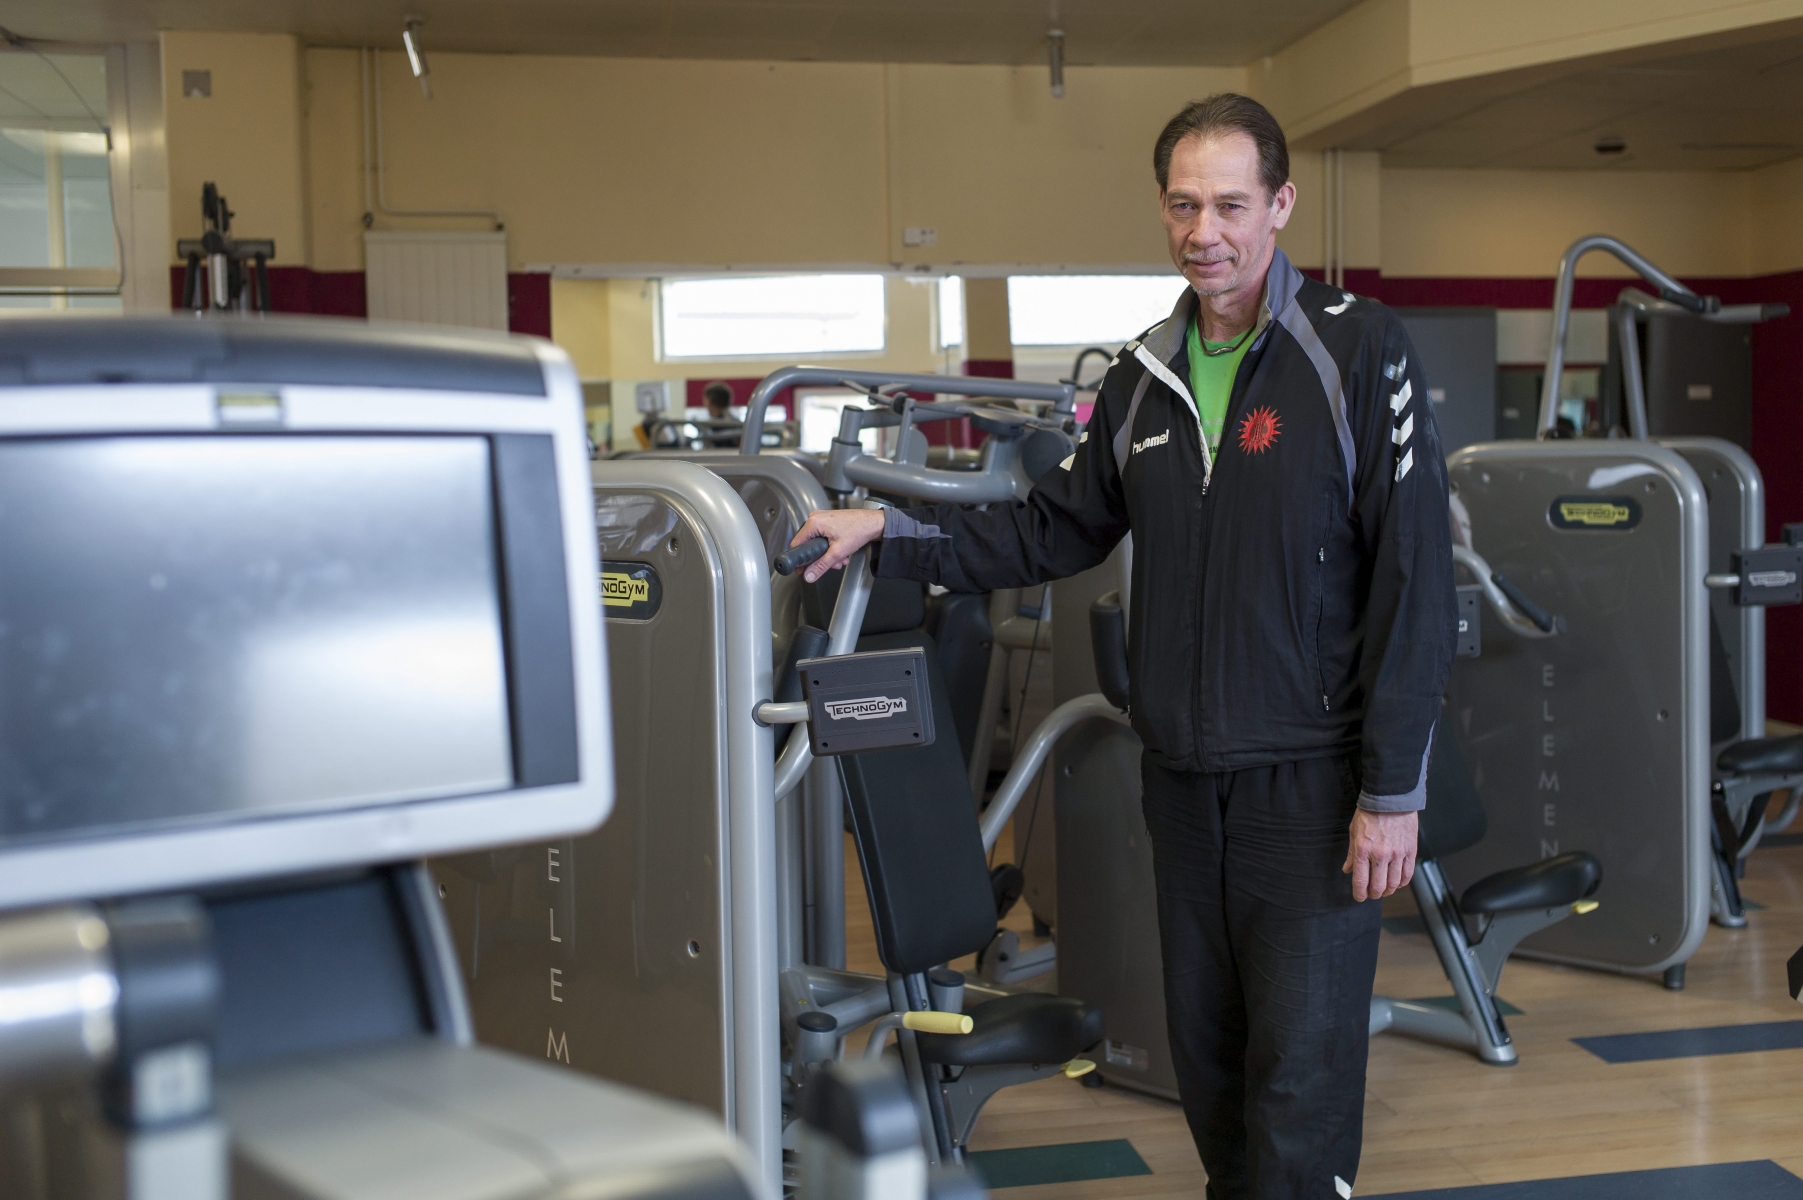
[{"x": 1381, "y": 856}]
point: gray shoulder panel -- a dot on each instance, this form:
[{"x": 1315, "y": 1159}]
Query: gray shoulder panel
[{"x": 1297, "y": 323}]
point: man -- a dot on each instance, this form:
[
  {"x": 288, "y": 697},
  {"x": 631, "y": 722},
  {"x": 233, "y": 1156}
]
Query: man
[
  {"x": 1271, "y": 449},
  {"x": 724, "y": 430}
]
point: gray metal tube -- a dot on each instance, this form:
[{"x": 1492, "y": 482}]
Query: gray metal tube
[
  {"x": 792, "y": 712},
  {"x": 1002, "y": 605},
  {"x": 1627, "y": 332},
  {"x": 789, "y": 885},
  {"x": 1062, "y": 395},
  {"x": 58, "y": 995},
  {"x": 842, "y": 638},
  {"x": 928, "y": 483},
  {"x": 1568, "y": 273},
  {"x": 1033, "y": 755},
  {"x": 827, "y": 815}
]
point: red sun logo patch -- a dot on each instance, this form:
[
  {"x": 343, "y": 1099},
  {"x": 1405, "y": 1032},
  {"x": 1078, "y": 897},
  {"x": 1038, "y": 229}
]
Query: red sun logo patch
[{"x": 1258, "y": 429}]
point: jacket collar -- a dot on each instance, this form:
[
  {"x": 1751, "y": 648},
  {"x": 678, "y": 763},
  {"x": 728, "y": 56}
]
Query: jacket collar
[{"x": 1282, "y": 282}]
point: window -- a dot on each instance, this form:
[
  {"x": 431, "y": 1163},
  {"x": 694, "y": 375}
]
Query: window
[
  {"x": 56, "y": 206},
  {"x": 951, "y": 312},
  {"x": 1087, "y": 310},
  {"x": 817, "y": 413},
  {"x": 772, "y": 315}
]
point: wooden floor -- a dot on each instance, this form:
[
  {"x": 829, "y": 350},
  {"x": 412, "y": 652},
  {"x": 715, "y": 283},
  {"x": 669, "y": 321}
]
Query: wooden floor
[{"x": 1436, "y": 1117}]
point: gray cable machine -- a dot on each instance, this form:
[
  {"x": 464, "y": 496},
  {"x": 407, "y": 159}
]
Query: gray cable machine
[
  {"x": 1601, "y": 739},
  {"x": 677, "y": 948}
]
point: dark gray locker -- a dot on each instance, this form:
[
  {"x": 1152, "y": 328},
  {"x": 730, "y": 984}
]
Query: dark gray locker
[{"x": 1458, "y": 354}]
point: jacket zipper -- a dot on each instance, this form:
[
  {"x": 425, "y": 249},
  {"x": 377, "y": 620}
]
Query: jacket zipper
[{"x": 1320, "y": 607}]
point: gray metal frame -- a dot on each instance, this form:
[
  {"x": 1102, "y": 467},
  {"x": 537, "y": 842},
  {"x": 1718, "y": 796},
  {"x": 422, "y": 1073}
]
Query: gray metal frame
[{"x": 754, "y": 1100}]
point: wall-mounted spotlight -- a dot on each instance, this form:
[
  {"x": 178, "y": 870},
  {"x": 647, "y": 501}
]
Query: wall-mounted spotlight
[
  {"x": 1055, "y": 54},
  {"x": 416, "y": 58}
]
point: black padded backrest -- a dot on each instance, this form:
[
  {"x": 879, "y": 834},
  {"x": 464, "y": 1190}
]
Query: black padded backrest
[
  {"x": 895, "y": 604},
  {"x": 916, "y": 829},
  {"x": 959, "y": 623},
  {"x": 1454, "y": 818}
]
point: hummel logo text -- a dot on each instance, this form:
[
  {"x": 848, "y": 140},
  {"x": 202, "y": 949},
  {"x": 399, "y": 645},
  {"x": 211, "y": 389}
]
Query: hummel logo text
[{"x": 1155, "y": 440}]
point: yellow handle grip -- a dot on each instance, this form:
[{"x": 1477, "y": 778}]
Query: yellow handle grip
[
  {"x": 1584, "y": 906},
  {"x": 1076, "y": 1068},
  {"x": 938, "y": 1022}
]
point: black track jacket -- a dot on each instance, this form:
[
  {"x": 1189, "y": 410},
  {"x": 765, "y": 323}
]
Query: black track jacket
[{"x": 1293, "y": 599}]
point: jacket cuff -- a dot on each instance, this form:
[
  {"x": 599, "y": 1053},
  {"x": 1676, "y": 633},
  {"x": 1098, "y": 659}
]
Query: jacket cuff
[
  {"x": 1410, "y": 801},
  {"x": 897, "y": 523}
]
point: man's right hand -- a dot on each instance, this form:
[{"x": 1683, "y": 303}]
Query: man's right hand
[{"x": 848, "y": 529}]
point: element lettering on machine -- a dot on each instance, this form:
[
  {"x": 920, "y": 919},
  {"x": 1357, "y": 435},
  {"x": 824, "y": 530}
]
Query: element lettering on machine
[
  {"x": 630, "y": 591},
  {"x": 870, "y": 708},
  {"x": 1594, "y": 512}
]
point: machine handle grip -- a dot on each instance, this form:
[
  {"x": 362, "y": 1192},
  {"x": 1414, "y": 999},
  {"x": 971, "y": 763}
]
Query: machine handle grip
[
  {"x": 1691, "y": 301},
  {"x": 938, "y": 1022},
  {"x": 796, "y": 557},
  {"x": 1542, "y": 619}
]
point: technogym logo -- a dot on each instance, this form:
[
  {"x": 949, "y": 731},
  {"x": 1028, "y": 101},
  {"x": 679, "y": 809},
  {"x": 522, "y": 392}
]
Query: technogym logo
[
  {"x": 623, "y": 591},
  {"x": 871, "y": 708}
]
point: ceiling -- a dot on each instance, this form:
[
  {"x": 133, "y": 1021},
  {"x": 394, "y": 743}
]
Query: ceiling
[
  {"x": 1736, "y": 107},
  {"x": 1098, "y": 32}
]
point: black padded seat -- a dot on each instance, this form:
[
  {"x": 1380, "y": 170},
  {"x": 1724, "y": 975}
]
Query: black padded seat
[
  {"x": 1032, "y": 1027},
  {"x": 1546, "y": 884},
  {"x": 1763, "y": 756}
]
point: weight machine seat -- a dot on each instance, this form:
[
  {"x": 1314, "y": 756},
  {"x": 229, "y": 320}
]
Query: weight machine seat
[
  {"x": 1032, "y": 1027},
  {"x": 1551, "y": 883},
  {"x": 1763, "y": 756}
]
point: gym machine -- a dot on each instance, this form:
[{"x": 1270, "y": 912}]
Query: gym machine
[
  {"x": 1608, "y": 727},
  {"x": 236, "y": 269},
  {"x": 721, "y": 852},
  {"x": 286, "y": 606}
]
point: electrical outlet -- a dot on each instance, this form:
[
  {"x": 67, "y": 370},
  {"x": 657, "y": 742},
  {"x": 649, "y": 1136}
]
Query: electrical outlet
[{"x": 918, "y": 236}]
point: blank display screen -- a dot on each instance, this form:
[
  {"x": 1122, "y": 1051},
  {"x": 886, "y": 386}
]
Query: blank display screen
[{"x": 204, "y": 628}]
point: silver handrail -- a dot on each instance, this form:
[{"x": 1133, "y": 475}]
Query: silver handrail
[
  {"x": 1669, "y": 289},
  {"x": 1062, "y": 395}
]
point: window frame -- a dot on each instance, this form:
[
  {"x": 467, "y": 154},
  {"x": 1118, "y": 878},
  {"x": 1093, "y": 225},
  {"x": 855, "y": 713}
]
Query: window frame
[{"x": 71, "y": 282}]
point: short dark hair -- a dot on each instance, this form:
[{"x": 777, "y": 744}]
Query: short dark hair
[
  {"x": 717, "y": 393},
  {"x": 1227, "y": 112}
]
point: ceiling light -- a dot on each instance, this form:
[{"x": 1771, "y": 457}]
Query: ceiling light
[
  {"x": 1610, "y": 145},
  {"x": 1055, "y": 53},
  {"x": 416, "y": 57}
]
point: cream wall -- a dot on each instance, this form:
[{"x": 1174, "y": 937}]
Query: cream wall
[
  {"x": 615, "y": 161},
  {"x": 1776, "y": 218},
  {"x": 1004, "y": 173},
  {"x": 1518, "y": 223},
  {"x": 246, "y": 137}
]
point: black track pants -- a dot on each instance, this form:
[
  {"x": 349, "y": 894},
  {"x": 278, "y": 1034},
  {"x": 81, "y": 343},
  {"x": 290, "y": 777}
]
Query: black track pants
[{"x": 1268, "y": 965}]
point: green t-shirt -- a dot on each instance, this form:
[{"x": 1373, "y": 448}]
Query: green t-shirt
[{"x": 1211, "y": 380}]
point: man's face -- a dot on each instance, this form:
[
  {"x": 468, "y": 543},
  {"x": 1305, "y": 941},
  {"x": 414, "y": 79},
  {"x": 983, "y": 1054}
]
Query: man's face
[{"x": 1218, "y": 219}]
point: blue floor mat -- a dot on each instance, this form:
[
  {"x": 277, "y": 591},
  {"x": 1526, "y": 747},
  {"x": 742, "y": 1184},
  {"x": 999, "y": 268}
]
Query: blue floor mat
[
  {"x": 1695, "y": 1043},
  {"x": 1762, "y": 1180},
  {"x": 1070, "y": 1162}
]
